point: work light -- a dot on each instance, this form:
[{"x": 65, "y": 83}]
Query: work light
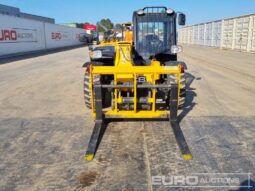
[
  {"x": 176, "y": 49},
  {"x": 96, "y": 54},
  {"x": 140, "y": 12},
  {"x": 169, "y": 11}
]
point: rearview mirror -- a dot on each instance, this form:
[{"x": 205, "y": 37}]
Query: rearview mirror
[{"x": 181, "y": 19}]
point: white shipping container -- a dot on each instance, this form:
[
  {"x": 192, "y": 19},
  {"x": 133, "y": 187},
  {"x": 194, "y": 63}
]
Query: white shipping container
[
  {"x": 236, "y": 33},
  {"x": 241, "y": 33},
  {"x": 208, "y": 34},
  {"x": 18, "y": 35},
  {"x": 196, "y": 34},
  {"x": 186, "y": 35},
  {"x": 181, "y": 35},
  {"x": 252, "y": 47},
  {"x": 228, "y": 33},
  {"x": 201, "y": 36},
  {"x": 58, "y": 36},
  {"x": 191, "y": 35},
  {"x": 77, "y": 33},
  {"x": 216, "y": 33}
]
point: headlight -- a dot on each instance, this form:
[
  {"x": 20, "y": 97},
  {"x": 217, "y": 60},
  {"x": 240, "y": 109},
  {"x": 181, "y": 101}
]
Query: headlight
[
  {"x": 176, "y": 49},
  {"x": 96, "y": 54}
]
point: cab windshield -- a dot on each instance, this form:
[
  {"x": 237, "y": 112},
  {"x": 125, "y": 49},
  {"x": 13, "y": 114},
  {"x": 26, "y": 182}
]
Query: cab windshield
[{"x": 153, "y": 38}]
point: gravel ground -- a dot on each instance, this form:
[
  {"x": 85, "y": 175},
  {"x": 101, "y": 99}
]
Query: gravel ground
[{"x": 45, "y": 127}]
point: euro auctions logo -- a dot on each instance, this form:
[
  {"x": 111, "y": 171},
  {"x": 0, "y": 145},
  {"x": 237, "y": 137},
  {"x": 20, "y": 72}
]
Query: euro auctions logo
[
  {"x": 60, "y": 35},
  {"x": 8, "y": 35},
  {"x": 205, "y": 180},
  {"x": 16, "y": 35},
  {"x": 56, "y": 36}
]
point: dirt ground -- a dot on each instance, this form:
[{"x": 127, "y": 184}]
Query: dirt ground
[{"x": 45, "y": 127}]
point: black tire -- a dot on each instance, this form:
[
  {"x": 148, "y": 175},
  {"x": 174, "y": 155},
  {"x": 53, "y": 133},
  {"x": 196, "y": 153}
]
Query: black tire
[
  {"x": 87, "y": 93},
  {"x": 182, "y": 95}
]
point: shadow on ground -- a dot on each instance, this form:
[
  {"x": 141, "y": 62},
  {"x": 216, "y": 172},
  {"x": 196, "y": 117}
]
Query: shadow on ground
[
  {"x": 190, "y": 94},
  {"x": 247, "y": 185}
]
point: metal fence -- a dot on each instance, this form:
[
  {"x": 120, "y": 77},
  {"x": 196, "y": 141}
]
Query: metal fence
[{"x": 236, "y": 33}]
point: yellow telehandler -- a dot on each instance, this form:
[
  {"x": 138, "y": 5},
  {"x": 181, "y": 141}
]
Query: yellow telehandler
[{"x": 139, "y": 77}]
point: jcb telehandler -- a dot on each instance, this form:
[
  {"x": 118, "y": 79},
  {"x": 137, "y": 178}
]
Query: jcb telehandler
[{"x": 140, "y": 78}]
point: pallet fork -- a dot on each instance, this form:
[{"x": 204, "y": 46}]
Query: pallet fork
[{"x": 100, "y": 124}]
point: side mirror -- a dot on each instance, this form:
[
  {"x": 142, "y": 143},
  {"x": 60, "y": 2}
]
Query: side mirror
[{"x": 181, "y": 19}]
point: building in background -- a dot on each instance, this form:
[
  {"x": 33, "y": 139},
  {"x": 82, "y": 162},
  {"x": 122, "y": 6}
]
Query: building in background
[
  {"x": 13, "y": 11},
  {"x": 70, "y": 25}
]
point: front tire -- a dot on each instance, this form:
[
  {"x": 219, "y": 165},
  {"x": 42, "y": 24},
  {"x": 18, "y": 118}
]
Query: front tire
[
  {"x": 87, "y": 92},
  {"x": 182, "y": 96}
]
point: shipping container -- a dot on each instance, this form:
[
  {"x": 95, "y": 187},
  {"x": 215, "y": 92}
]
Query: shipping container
[
  {"x": 196, "y": 33},
  {"x": 191, "y": 34},
  {"x": 19, "y": 35},
  {"x": 208, "y": 34},
  {"x": 236, "y": 33},
  {"x": 252, "y": 46},
  {"x": 228, "y": 33},
  {"x": 216, "y": 33},
  {"x": 201, "y": 34},
  {"x": 241, "y": 33}
]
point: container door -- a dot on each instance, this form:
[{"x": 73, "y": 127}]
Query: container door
[
  {"x": 217, "y": 34},
  {"x": 201, "y": 34},
  {"x": 228, "y": 33},
  {"x": 208, "y": 34},
  {"x": 196, "y": 34},
  {"x": 241, "y": 33},
  {"x": 253, "y": 35}
]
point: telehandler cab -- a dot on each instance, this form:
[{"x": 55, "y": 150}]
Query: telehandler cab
[{"x": 140, "y": 78}]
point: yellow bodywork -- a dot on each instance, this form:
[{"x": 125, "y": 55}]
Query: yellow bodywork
[
  {"x": 128, "y": 36},
  {"x": 125, "y": 71}
]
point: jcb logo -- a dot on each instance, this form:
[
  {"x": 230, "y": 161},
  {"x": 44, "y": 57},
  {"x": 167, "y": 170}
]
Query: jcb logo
[
  {"x": 141, "y": 79},
  {"x": 56, "y": 35},
  {"x": 10, "y": 35}
]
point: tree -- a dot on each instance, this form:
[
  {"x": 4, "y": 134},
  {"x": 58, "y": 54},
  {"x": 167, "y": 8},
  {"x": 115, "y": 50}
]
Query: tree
[
  {"x": 107, "y": 23},
  {"x": 81, "y": 25},
  {"x": 118, "y": 26}
]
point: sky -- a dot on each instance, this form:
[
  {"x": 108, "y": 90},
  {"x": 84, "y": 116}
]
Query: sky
[{"x": 69, "y": 11}]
